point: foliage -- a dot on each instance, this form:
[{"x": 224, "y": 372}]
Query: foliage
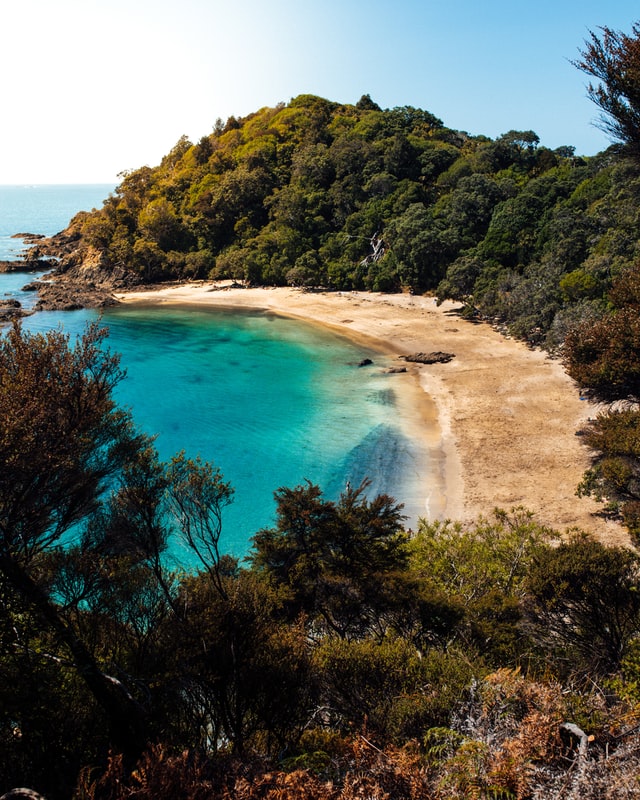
[
  {"x": 316, "y": 193},
  {"x": 613, "y": 59},
  {"x": 483, "y": 567},
  {"x": 583, "y": 598},
  {"x": 82, "y": 534},
  {"x": 511, "y": 743},
  {"x": 332, "y": 560},
  {"x": 602, "y": 355}
]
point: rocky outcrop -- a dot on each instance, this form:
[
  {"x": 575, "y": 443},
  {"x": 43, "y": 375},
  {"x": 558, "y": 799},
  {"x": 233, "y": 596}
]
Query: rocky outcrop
[
  {"x": 65, "y": 295},
  {"x": 78, "y": 277},
  {"x": 429, "y": 358},
  {"x": 26, "y": 266},
  {"x": 11, "y": 309}
]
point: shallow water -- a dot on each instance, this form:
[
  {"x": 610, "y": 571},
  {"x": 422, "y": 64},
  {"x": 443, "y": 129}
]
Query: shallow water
[{"x": 270, "y": 400}]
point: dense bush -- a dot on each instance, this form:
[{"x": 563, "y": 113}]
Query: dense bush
[{"x": 315, "y": 193}]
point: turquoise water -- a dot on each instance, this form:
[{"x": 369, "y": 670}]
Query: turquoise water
[
  {"x": 269, "y": 400},
  {"x": 272, "y": 402}
]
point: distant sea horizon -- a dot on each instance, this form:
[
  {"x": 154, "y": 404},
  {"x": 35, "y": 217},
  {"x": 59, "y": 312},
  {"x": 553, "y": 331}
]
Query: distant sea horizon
[{"x": 271, "y": 401}]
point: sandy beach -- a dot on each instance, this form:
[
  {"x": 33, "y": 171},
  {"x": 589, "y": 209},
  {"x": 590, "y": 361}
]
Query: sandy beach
[{"x": 498, "y": 421}]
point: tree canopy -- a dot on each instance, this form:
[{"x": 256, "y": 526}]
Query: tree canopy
[
  {"x": 613, "y": 59},
  {"x": 345, "y": 656},
  {"x": 315, "y": 193}
]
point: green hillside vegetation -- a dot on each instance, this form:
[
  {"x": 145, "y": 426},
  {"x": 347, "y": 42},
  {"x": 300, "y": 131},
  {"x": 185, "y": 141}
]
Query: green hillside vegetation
[
  {"x": 346, "y": 656},
  {"x": 319, "y": 194}
]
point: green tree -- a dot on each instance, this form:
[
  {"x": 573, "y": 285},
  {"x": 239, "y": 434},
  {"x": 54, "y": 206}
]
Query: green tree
[
  {"x": 332, "y": 559},
  {"x": 239, "y": 675},
  {"x": 584, "y": 602},
  {"x": 613, "y": 59},
  {"x": 483, "y": 569},
  {"x": 62, "y": 442},
  {"x": 388, "y": 687},
  {"x": 603, "y": 355},
  {"x": 614, "y": 476},
  {"x": 84, "y": 520}
]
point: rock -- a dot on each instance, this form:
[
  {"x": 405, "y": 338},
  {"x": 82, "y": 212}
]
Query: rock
[
  {"x": 67, "y": 296},
  {"x": 366, "y": 362},
  {"x": 24, "y": 266},
  {"x": 11, "y": 309},
  {"x": 28, "y": 237},
  {"x": 396, "y": 370},
  {"x": 429, "y": 358}
]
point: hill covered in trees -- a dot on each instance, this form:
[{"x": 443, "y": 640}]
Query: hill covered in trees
[{"x": 319, "y": 194}]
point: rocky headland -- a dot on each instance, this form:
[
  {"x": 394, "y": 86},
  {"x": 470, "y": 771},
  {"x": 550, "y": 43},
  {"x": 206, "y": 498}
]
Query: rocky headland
[{"x": 75, "y": 276}]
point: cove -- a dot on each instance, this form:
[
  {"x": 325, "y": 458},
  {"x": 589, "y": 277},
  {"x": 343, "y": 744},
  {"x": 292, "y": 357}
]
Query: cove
[{"x": 270, "y": 400}]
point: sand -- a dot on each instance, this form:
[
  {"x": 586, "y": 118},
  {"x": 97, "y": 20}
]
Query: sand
[{"x": 498, "y": 421}]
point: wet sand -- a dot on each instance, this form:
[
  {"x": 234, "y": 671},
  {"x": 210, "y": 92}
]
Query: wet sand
[{"x": 498, "y": 421}]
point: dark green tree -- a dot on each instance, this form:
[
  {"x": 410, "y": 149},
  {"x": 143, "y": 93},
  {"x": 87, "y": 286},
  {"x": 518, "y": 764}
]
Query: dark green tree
[
  {"x": 583, "y": 601},
  {"x": 84, "y": 519},
  {"x": 62, "y": 442},
  {"x": 237, "y": 675},
  {"x": 613, "y": 60},
  {"x": 331, "y": 560}
]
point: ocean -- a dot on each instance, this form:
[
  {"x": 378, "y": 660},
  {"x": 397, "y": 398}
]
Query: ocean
[{"x": 269, "y": 400}]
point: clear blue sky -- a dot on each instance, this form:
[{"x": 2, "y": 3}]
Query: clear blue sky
[{"x": 94, "y": 87}]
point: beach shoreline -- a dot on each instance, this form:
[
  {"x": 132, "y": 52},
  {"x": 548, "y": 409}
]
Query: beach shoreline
[{"x": 498, "y": 421}]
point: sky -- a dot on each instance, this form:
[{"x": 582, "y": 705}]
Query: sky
[{"x": 92, "y": 88}]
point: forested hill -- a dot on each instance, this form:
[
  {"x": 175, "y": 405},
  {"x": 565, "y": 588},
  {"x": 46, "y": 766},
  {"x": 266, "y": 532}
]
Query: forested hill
[{"x": 316, "y": 193}]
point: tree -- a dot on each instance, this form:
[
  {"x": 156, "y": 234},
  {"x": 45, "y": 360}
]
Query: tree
[
  {"x": 387, "y": 686},
  {"x": 614, "y": 476},
  {"x": 484, "y": 568},
  {"x": 603, "y": 356},
  {"x": 332, "y": 559},
  {"x": 85, "y": 517},
  {"x": 613, "y": 59},
  {"x": 62, "y": 442},
  {"x": 584, "y": 601},
  {"x": 239, "y": 674}
]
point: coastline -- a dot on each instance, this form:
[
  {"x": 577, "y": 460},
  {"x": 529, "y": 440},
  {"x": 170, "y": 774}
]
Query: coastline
[{"x": 498, "y": 421}]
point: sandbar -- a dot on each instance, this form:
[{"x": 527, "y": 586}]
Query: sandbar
[{"x": 500, "y": 420}]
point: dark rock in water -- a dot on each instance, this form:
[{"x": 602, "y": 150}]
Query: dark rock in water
[
  {"x": 429, "y": 358},
  {"x": 24, "y": 266},
  {"x": 28, "y": 237},
  {"x": 67, "y": 296},
  {"x": 366, "y": 362},
  {"x": 10, "y": 309}
]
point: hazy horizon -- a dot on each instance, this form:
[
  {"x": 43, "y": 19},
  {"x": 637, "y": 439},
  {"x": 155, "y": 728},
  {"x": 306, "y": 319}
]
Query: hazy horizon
[{"x": 106, "y": 88}]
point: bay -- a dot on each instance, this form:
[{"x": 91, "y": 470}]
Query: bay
[{"x": 271, "y": 401}]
